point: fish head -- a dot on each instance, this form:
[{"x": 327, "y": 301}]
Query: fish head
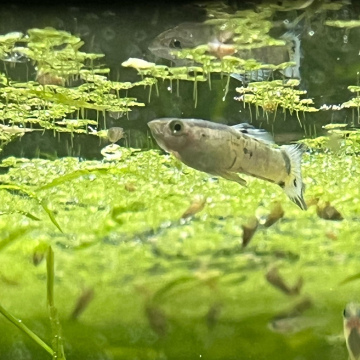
[
  {"x": 183, "y": 36},
  {"x": 166, "y": 43},
  {"x": 171, "y": 134}
]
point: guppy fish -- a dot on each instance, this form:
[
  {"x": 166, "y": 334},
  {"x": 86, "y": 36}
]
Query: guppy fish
[
  {"x": 224, "y": 151},
  {"x": 351, "y": 317}
]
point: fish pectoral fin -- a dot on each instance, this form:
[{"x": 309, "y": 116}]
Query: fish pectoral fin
[{"x": 231, "y": 176}]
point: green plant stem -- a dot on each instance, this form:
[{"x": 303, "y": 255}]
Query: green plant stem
[
  {"x": 50, "y": 276},
  {"x": 26, "y": 330},
  {"x": 57, "y": 343}
]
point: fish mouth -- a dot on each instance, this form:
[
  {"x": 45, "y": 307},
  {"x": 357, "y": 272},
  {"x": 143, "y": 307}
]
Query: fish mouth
[{"x": 156, "y": 127}]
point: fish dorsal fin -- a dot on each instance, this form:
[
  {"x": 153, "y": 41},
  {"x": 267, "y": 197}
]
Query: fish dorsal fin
[{"x": 250, "y": 130}]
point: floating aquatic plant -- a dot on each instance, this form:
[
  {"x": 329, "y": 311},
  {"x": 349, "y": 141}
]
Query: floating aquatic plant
[
  {"x": 271, "y": 95},
  {"x": 354, "y": 102},
  {"x": 48, "y": 103},
  {"x": 339, "y": 140}
]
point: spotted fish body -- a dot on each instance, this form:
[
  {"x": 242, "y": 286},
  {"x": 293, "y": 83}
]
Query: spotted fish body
[
  {"x": 351, "y": 318},
  {"x": 225, "y": 151}
]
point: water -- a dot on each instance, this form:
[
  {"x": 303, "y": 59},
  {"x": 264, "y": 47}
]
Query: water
[
  {"x": 328, "y": 66},
  {"x": 144, "y": 282}
]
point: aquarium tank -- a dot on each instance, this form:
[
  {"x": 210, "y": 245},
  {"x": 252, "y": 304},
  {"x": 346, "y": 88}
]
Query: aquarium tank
[{"x": 180, "y": 180}]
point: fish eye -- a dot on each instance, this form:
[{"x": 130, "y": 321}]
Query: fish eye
[
  {"x": 176, "y": 127},
  {"x": 175, "y": 44}
]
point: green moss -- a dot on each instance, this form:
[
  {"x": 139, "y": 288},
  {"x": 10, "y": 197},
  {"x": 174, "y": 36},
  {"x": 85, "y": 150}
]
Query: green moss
[{"x": 159, "y": 281}]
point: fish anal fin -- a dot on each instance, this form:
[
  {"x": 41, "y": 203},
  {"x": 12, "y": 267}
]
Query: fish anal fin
[{"x": 231, "y": 176}]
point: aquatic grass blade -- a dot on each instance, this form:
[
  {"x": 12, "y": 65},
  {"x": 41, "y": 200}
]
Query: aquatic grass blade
[
  {"x": 170, "y": 285},
  {"x": 31, "y": 194},
  {"x": 57, "y": 342},
  {"x": 25, "y": 213},
  {"x": 350, "y": 279},
  {"x": 51, "y": 215},
  {"x": 74, "y": 175},
  {"x": 13, "y": 236},
  {"x": 18, "y": 323}
]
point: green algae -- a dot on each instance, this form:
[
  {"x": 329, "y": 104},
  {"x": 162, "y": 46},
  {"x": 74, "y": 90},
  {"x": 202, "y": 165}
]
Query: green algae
[{"x": 161, "y": 281}]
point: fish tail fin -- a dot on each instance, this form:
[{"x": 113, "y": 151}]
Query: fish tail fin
[{"x": 294, "y": 186}]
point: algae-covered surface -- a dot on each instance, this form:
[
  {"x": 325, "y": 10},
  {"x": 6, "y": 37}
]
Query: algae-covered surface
[
  {"x": 148, "y": 284},
  {"x": 136, "y": 256}
]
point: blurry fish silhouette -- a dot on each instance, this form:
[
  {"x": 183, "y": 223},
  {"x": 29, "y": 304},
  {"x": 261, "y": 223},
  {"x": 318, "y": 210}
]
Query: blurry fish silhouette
[{"x": 351, "y": 318}]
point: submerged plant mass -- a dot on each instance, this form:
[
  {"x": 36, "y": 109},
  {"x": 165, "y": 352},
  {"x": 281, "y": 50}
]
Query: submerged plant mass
[{"x": 167, "y": 276}]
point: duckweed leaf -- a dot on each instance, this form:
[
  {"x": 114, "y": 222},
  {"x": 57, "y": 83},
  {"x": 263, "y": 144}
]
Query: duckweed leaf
[
  {"x": 49, "y": 100},
  {"x": 74, "y": 175},
  {"x": 273, "y": 94}
]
